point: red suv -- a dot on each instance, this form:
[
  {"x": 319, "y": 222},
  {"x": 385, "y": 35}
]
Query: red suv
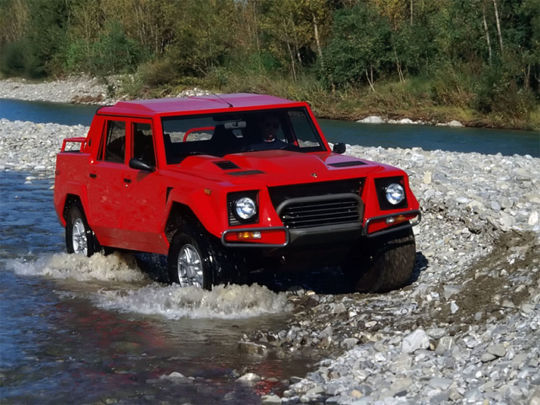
[{"x": 227, "y": 184}]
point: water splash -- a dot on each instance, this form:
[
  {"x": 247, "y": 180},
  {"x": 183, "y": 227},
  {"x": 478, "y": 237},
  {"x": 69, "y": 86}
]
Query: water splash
[
  {"x": 175, "y": 302},
  {"x": 115, "y": 267}
]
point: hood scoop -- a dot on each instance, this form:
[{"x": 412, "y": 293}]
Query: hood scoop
[
  {"x": 347, "y": 164},
  {"x": 226, "y": 165}
]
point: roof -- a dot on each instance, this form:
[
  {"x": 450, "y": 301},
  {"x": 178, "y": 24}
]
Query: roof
[{"x": 192, "y": 104}]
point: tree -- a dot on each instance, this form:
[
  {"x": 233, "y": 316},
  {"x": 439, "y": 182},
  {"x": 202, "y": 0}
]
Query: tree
[{"x": 360, "y": 47}]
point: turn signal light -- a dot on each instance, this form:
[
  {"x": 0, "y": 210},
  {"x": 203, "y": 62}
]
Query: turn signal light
[
  {"x": 249, "y": 235},
  {"x": 263, "y": 236},
  {"x": 396, "y": 220}
]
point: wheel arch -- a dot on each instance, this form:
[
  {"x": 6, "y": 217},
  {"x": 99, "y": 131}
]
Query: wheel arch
[
  {"x": 179, "y": 214},
  {"x": 70, "y": 201}
]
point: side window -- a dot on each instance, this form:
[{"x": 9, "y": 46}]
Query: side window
[
  {"x": 115, "y": 145},
  {"x": 143, "y": 145}
]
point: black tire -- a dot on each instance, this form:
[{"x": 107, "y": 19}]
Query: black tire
[
  {"x": 215, "y": 264},
  {"x": 386, "y": 263},
  {"x": 80, "y": 238}
]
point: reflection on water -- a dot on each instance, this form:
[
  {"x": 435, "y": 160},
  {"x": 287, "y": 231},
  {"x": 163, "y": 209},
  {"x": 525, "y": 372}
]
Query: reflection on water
[{"x": 97, "y": 330}]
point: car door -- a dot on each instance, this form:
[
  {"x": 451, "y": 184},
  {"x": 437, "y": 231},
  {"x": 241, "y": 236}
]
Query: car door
[
  {"x": 106, "y": 186},
  {"x": 142, "y": 215}
]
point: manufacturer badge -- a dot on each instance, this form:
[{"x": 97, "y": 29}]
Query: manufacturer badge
[{"x": 314, "y": 175}]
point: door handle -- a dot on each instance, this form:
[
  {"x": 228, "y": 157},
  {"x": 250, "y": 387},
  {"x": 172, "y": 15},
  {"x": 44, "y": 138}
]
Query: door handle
[{"x": 93, "y": 175}]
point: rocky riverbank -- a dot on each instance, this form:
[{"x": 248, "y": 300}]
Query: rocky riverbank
[
  {"x": 465, "y": 330},
  {"x": 71, "y": 90}
]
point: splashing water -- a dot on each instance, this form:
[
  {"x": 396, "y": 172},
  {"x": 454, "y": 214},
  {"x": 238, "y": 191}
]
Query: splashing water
[
  {"x": 175, "y": 302},
  {"x": 172, "y": 302},
  {"x": 115, "y": 267}
]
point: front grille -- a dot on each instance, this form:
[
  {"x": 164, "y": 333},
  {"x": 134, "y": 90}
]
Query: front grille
[
  {"x": 311, "y": 212},
  {"x": 280, "y": 194}
]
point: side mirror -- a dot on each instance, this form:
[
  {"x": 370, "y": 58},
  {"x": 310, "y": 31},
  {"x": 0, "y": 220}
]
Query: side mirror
[
  {"x": 339, "y": 148},
  {"x": 140, "y": 165}
]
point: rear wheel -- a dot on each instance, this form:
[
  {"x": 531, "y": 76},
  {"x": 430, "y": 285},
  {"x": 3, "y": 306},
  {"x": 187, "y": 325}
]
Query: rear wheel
[
  {"x": 196, "y": 259},
  {"x": 79, "y": 237},
  {"x": 386, "y": 263}
]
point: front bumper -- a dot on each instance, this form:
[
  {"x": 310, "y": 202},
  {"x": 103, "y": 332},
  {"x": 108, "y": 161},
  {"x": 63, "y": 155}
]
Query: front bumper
[{"x": 278, "y": 237}]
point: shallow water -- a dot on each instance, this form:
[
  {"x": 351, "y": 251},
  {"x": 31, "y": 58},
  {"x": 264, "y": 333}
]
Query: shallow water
[{"x": 100, "y": 329}]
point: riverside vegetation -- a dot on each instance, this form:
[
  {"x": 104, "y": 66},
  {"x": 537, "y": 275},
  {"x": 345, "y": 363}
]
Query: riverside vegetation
[{"x": 474, "y": 61}]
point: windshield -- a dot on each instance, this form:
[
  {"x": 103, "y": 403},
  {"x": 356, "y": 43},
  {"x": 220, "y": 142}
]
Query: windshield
[{"x": 241, "y": 131}]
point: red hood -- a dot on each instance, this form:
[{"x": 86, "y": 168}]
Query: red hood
[{"x": 279, "y": 167}]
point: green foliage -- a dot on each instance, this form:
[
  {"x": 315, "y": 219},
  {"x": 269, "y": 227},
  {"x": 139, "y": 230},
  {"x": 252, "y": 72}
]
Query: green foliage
[
  {"x": 360, "y": 44},
  {"x": 382, "y": 55},
  {"x": 499, "y": 93},
  {"x": 111, "y": 52}
]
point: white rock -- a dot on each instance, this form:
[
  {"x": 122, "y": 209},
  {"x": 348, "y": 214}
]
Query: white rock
[
  {"x": 372, "y": 119},
  {"x": 455, "y": 124},
  {"x": 414, "y": 341},
  {"x": 533, "y": 218}
]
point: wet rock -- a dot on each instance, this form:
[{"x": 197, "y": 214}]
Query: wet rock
[
  {"x": 253, "y": 348},
  {"x": 249, "y": 378},
  {"x": 271, "y": 400}
]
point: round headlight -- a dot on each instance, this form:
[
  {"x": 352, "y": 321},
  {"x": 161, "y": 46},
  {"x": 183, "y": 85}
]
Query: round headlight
[
  {"x": 245, "y": 208},
  {"x": 395, "y": 193}
]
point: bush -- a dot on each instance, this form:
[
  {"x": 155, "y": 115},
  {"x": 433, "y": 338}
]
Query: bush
[
  {"x": 19, "y": 59},
  {"x": 158, "y": 72},
  {"x": 499, "y": 93},
  {"x": 112, "y": 53}
]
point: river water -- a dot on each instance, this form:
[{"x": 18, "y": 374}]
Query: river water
[
  {"x": 90, "y": 330},
  {"x": 104, "y": 330}
]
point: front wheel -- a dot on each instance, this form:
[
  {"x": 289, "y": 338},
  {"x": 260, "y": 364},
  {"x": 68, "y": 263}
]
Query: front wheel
[
  {"x": 386, "y": 263},
  {"x": 79, "y": 237},
  {"x": 195, "y": 259}
]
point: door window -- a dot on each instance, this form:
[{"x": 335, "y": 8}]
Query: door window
[
  {"x": 143, "y": 146},
  {"x": 115, "y": 146}
]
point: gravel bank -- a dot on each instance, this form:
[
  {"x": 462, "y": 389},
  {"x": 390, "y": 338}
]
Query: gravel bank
[
  {"x": 71, "y": 90},
  {"x": 465, "y": 330}
]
